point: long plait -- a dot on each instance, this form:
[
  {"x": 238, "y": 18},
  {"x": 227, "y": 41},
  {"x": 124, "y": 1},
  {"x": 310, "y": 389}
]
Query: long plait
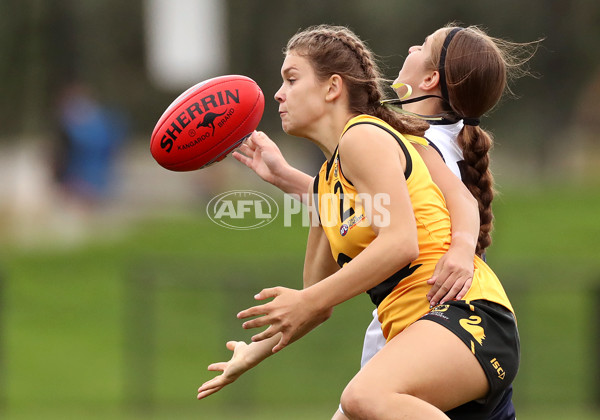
[{"x": 477, "y": 177}]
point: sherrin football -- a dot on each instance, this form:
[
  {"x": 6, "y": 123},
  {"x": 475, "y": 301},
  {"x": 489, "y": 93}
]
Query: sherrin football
[{"x": 207, "y": 122}]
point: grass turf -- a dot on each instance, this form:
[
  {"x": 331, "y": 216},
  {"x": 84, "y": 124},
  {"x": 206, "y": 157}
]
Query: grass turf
[{"x": 124, "y": 328}]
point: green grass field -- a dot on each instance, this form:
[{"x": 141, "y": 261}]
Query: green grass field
[{"x": 125, "y": 327}]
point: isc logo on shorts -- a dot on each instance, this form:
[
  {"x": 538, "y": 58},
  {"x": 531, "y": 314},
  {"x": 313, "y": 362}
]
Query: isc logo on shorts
[{"x": 496, "y": 364}]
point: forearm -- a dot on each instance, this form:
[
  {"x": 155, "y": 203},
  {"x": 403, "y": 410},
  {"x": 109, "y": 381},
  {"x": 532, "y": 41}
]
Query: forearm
[
  {"x": 462, "y": 206},
  {"x": 260, "y": 350},
  {"x": 318, "y": 261},
  {"x": 464, "y": 218},
  {"x": 293, "y": 181},
  {"x": 380, "y": 260}
]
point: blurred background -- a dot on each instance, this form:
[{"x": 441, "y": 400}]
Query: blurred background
[{"x": 116, "y": 291}]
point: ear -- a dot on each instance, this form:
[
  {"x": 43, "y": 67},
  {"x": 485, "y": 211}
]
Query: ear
[
  {"x": 430, "y": 82},
  {"x": 334, "y": 87}
]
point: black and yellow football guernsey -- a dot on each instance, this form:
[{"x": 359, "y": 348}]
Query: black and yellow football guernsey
[{"x": 401, "y": 299}]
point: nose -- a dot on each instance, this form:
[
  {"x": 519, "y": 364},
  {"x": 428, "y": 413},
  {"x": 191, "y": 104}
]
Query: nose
[
  {"x": 279, "y": 95},
  {"x": 413, "y": 49}
]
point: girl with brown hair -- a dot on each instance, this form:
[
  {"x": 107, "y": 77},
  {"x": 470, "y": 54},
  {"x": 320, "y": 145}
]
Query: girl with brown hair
[{"x": 331, "y": 96}]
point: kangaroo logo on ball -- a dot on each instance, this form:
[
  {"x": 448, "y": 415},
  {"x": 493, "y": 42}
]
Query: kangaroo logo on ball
[{"x": 209, "y": 120}]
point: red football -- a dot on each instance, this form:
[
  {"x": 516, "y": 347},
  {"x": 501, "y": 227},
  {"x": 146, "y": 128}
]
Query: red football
[{"x": 206, "y": 122}]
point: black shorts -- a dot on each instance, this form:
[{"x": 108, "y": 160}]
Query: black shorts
[{"x": 490, "y": 331}]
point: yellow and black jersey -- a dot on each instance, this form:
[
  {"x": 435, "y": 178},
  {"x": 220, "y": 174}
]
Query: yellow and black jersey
[{"x": 401, "y": 299}]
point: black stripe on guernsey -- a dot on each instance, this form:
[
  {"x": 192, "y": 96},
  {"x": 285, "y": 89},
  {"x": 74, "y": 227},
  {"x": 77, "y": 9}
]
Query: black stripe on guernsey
[
  {"x": 342, "y": 172},
  {"x": 330, "y": 163},
  {"x": 383, "y": 289},
  {"x": 408, "y": 169},
  {"x": 429, "y": 142},
  {"x": 316, "y": 196}
]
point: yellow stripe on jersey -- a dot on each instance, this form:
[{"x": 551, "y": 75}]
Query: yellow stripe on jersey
[{"x": 401, "y": 299}]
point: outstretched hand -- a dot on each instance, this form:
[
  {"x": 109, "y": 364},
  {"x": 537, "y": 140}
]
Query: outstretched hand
[
  {"x": 262, "y": 155},
  {"x": 452, "y": 277},
  {"x": 289, "y": 313},
  {"x": 232, "y": 369}
]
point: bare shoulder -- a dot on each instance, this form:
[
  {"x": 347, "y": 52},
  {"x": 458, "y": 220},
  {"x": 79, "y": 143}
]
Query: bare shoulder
[
  {"x": 365, "y": 137},
  {"x": 367, "y": 145}
]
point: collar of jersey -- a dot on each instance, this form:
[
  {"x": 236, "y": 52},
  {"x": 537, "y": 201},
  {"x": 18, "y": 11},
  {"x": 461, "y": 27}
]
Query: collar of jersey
[{"x": 378, "y": 121}]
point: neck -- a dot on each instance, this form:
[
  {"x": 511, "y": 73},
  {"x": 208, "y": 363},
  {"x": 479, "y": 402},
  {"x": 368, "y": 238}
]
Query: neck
[
  {"x": 327, "y": 134},
  {"x": 429, "y": 106}
]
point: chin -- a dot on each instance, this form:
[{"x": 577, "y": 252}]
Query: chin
[
  {"x": 290, "y": 130},
  {"x": 285, "y": 127}
]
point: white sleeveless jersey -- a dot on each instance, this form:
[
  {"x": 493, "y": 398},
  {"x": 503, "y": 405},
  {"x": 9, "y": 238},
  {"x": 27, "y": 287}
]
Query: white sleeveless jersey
[{"x": 443, "y": 138}]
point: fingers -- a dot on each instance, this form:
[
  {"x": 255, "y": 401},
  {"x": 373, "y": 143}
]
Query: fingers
[
  {"x": 218, "y": 382},
  {"x": 260, "y": 139},
  {"x": 254, "y": 142},
  {"x": 268, "y": 333},
  {"x": 436, "y": 283},
  {"x": 209, "y": 388},
  {"x": 443, "y": 290},
  {"x": 268, "y": 293},
  {"x": 444, "y": 279},
  {"x": 282, "y": 343},
  {"x": 449, "y": 290},
  {"x": 212, "y": 386},
  {"x": 451, "y": 279},
  {"x": 256, "y": 323},
  {"x": 217, "y": 367},
  {"x": 465, "y": 289},
  {"x": 440, "y": 294},
  {"x": 250, "y": 141},
  {"x": 246, "y": 149},
  {"x": 232, "y": 344},
  {"x": 260, "y": 309},
  {"x": 242, "y": 158},
  {"x": 253, "y": 311},
  {"x": 245, "y": 154},
  {"x": 439, "y": 267}
]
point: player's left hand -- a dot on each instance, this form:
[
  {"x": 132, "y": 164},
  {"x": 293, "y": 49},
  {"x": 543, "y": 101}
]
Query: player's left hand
[
  {"x": 289, "y": 313},
  {"x": 261, "y": 154},
  {"x": 232, "y": 369},
  {"x": 452, "y": 276}
]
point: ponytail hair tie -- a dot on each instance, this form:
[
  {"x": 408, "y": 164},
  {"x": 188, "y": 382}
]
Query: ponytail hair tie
[{"x": 471, "y": 121}]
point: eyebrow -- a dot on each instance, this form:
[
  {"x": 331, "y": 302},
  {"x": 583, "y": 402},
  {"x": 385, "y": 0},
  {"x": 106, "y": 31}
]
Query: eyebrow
[{"x": 288, "y": 70}]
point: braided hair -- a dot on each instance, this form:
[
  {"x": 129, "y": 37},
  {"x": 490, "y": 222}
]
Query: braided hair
[
  {"x": 337, "y": 50},
  {"x": 476, "y": 69}
]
